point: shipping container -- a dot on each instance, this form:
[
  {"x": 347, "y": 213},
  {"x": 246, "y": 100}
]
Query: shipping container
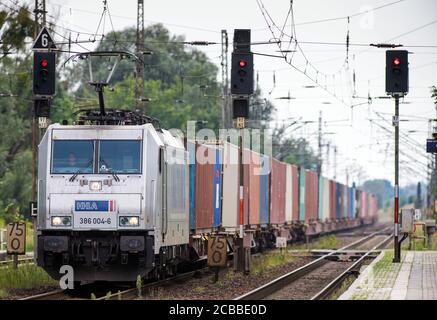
[
  {"x": 205, "y": 186},
  {"x": 277, "y": 192},
  {"x": 324, "y": 199},
  {"x": 295, "y": 191},
  {"x": 265, "y": 191},
  {"x": 192, "y": 184},
  {"x": 311, "y": 195},
  {"x": 363, "y": 205},
  {"x": 332, "y": 200},
  {"x": 288, "y": 194},
  {"x": 346, "y": 202},
  {"x": 218, "y": 186},
  {"x": 230, "y": 202},
  {"x": 321, "y": 198},
  {"x": 252, "y": 168},
  {"x": 339, "y": 201},
  {"x": 302, "y": 181},
  {"x": 352, "y": 203}
]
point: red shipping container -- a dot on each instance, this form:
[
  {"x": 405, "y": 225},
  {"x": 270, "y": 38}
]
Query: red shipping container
[
  {"x": 332, "y": 200},
  {"x": 277, "y": 192},
  {"x": 311, "y": 195},
  {"x": 251, "y": 187},
  {"x": 204, "y": 187},
  {"x": 295, "y": 190}
]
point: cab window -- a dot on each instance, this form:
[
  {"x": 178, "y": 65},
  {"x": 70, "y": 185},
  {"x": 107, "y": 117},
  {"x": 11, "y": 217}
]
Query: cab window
[
  {"x": 120, "y": 156},
  {"x": 73, "y": 156}
]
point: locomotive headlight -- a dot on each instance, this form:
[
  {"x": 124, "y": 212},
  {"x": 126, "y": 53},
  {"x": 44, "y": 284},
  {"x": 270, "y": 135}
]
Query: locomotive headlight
[
  {"x": 61, "y": 221},
  {"x": 96, "y": 185},
  {"x": 129, "y": 221}
]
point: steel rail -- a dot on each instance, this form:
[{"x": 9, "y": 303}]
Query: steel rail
[
  {"x": 134, "y": 293},
  {"x": 327, "y": 291},
  {"x": 51, "y": 295},
  {"x": 20, "y": 261},
  {"x": 280, "y": 282}
]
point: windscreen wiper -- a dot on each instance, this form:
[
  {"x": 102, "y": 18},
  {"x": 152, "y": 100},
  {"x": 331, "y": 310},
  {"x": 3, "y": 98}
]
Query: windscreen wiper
[
  {"x": 74, "y": 176},
  {"x": 112, "y": 172}
]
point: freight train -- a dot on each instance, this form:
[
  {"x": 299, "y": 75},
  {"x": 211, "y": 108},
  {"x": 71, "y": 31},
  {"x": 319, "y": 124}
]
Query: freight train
[{"x": 122, "y": 197}]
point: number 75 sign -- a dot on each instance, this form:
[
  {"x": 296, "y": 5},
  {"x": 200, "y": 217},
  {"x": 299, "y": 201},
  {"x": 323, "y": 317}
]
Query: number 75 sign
[
  {"x": 217, "y": 251},
  {"x": 16, "y": 238}
]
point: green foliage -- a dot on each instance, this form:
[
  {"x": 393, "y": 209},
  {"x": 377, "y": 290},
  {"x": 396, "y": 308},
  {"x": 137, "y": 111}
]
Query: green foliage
[
  {"x": 293, "y": 151},
  {"x": 26, "y": 276},
  {"x": 434, "y": 174},
  {"x": 268, "y": 261},
  {"x": 383, "y": 190},
  {"x": 328, "y": 242}
]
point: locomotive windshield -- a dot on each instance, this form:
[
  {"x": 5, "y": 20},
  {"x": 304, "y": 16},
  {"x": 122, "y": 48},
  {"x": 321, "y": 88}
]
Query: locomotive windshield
[
  {"x": 114, "y": 156},
  {"x": 120, "y": 156},
  {"x": 73, "y": 156}
]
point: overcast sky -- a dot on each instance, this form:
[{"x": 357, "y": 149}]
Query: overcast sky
[{"x": 360, "y": 142}]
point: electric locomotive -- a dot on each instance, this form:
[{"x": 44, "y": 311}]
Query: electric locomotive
[{"x": 112, "y": 199}]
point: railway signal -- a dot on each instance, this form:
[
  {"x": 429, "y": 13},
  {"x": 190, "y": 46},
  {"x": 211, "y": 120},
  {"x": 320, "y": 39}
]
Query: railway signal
[
  {"x": 396, "y": 85},
  {"x": 44, "y": 73},
  {"x": 396, "y": 73},
  {"x": 241, "y": 76},
  {"x": 242, "y": 73}
]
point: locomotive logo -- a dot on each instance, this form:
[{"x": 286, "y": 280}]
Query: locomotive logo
[{"x": 94, "y": 205}]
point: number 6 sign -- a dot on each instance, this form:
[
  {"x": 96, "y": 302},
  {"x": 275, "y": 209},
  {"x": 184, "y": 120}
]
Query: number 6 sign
[{"x": 16, "y": 238}]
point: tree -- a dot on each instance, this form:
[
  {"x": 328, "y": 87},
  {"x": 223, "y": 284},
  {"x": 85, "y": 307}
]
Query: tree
[
  {"x": 383, "y": 190},
  {"x": 293, "y": 151}
]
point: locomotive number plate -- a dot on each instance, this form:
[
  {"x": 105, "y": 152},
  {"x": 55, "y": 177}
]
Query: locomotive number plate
[{"x": 95, "y": 221}]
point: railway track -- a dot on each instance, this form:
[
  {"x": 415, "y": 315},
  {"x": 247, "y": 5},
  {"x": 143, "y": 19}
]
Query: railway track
[
  {"x": 8, "y": 263},
  {"x": 51, "y": 295},
  {"x": 331, "y": 269},
  {"x": 84, "y": 291},
  {"x": 121, "y": 293},
  {"x": 133, "y": 293}
]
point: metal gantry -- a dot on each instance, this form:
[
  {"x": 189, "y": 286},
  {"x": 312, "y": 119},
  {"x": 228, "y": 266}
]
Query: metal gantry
[
  {"x": 40, "y": 22},
  {"x": 139, "y": 66},
  {"x": 226, "y": 111}
]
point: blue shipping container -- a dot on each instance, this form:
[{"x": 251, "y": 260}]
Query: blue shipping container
[
  {"x": 192, "y": 191},
  {"x": 338, "y": 200},
  {"x": 352, "y": 213},
  {"x": 264, "y": 189},
  {"x": 217, "y": 187}
]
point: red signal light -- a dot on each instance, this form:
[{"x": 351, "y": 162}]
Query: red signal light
[
  {"x": 397, "y": 61},
  {"x": 242, "y": 63},
  {"x": 44, "y": 63}
]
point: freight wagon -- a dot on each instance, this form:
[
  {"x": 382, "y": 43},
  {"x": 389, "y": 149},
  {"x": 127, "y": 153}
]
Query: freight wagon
[{"x": 280, "y": 199}]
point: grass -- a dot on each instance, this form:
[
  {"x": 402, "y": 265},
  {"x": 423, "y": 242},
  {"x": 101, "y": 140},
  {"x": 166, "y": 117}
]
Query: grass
[
  {"x": 26, "y": 276},
  {"x": 325, "y": 242},
  {"x": 268, "y": 261},
  {"x": 419, "y": 243},
  {"x": 29, "y": 236}
]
